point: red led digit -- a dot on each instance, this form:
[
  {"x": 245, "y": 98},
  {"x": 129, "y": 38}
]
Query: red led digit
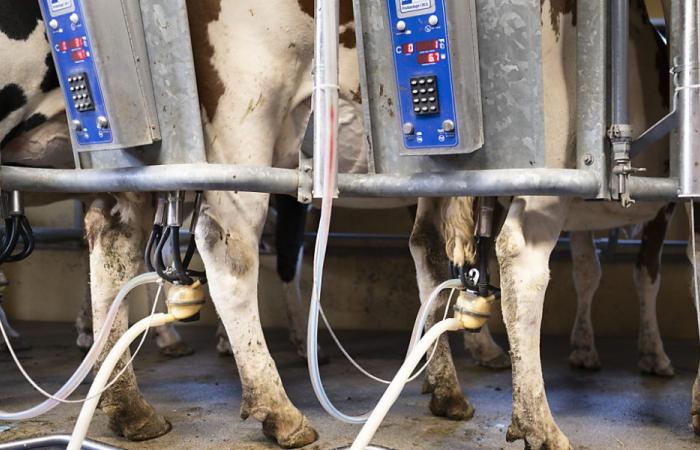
[
  {"x": 63, "y": 46},
  {"x": 79, "y": 55},
  {"x": 428, "y": 58},
  {"x": 76, "y": 43},
  {"x": 424, "y": 46},
  {"x": 408, "y": 48}
]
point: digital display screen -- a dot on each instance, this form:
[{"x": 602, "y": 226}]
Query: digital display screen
[
  {"x": 60, "y": 7},
  {"x": 424, "y": 46},
  {"x": 408, "y": 49},
  {"x": 428, "y": 58}
]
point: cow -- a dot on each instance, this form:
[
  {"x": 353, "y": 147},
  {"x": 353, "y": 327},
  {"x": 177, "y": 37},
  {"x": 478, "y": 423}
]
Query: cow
[{"x": 533, "y": 224}]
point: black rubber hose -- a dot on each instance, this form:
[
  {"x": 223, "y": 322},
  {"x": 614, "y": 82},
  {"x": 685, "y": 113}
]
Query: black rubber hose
[
  {"x": 483, "y": 250},
  {"x": 191, "y": 247},
  {"x": 11, "y": 236},
  {"x": 160, "y": 264},
  {"x": 180, "y": 272},
  {"x": 27, "y": 236},
  {"x": 156, "y": 233}
]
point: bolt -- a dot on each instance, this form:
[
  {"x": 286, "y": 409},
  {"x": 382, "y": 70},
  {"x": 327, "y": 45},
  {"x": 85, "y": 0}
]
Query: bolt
[{"x": 588, "y": 159}]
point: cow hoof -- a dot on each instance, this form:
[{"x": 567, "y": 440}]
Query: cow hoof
[
  {"x": 585, "y": 359},
  {"x": 500, "y": 362},
  {"x": 223, "y": 347},
  {"x": 177, "y": 350},
  {"x": 696, "y": 424},
  {"x": 84, "y": 342},
  {"x": 538, "y": 439},
  {"x": 137, "y": 429},
  {"x": 451, "y": 405},
  {"x": 290, "y": 434},
  {"x": 656, "y": 365}
]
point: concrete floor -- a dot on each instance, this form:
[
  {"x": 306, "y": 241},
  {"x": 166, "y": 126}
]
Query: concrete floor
[{"x": 613, "y": 408}]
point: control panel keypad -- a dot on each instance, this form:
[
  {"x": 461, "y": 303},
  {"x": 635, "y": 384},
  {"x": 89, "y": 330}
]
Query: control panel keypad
[
  {"x": 424, "y": 92},
  {"x": 80, "y": 92}
]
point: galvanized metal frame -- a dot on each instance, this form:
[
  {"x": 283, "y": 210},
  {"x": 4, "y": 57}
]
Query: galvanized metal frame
[{"x": 589, "y": 180}]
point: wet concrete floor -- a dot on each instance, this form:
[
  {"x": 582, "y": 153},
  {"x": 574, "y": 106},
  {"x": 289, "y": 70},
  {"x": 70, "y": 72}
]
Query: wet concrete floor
[{"x": 200, "y": 394}]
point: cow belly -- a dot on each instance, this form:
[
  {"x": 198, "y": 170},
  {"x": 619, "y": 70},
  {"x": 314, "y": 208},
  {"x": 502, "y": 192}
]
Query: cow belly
[{"x": 605, "y": 215}]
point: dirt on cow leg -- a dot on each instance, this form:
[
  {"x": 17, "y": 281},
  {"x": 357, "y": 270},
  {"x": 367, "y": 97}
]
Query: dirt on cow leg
[
  {"x": 523, "y": 247},
  {"x": 115, "y": 235},
  {"x": 230, "y": 255}
]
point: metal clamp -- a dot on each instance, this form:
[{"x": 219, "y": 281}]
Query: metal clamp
[{"x": 620, "y": 136}]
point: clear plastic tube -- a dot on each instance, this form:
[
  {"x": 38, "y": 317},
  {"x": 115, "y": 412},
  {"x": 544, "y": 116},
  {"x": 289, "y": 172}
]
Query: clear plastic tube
[
  {"x": 90, "y": 359},
  {"x": 425, "y": 309}
]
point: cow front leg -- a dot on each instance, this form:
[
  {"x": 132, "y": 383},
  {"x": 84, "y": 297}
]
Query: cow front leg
[
  {"x": 647, "y": 280},
  {"x": 587, "y": 274},
  {"x": 228, "y": 239},
  {"x": 115, "y": 237},
  {"x": 485, "y": 350},
  {"x": 428, "y": 250},
  {"x": 523, "y": 248},
  {"x": 695, "y": 411}
]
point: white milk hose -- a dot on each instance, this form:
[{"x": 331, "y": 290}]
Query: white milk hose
[
  {"x": 394, "y": 390},
  {"x": 106, "y": 369}
]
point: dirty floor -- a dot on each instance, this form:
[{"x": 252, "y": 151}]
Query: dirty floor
[{"x": 200, "y": 394}]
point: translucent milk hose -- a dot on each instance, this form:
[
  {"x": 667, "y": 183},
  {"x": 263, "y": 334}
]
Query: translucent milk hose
[
  {"x": 325, "y": 166},
  {"x": 90, "y": 359},
  {"x": 394, "y": 390},
  {"x": 102, "y": 377}
]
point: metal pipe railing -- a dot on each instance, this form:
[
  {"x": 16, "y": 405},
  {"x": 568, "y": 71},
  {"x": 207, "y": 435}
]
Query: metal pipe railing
[
  {"x": 688, "y": 89},
  {"x": 222, "y": 177}
]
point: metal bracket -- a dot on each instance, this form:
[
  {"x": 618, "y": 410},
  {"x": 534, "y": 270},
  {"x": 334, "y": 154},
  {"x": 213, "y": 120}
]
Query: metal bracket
[
  {"x": 306, "y": 179},
  {"x": 653, "y": 134}
]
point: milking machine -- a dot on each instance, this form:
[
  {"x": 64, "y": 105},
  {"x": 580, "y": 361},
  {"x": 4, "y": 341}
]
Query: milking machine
[{"x": 453, "y": 106}]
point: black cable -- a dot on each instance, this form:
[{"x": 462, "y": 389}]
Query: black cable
[
  {"x": 156, "y": 233},
  {"x": 11, "y": 237},
  {"x": 27, "y": 236},
  {"x": 160, "y": 264},
  {"x": 180, "y": 272}
]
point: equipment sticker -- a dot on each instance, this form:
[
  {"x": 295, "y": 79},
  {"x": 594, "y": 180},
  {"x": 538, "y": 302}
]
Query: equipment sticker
[{"x": 408, "y": 6}]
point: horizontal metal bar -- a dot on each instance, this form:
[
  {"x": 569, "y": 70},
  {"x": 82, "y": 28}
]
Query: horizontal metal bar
[
  {"x": 653, "y": 189},
  {"x": 564, "y": 182},
  {"x": 185, "y": 177},
  {"x": 212, "y": 177}
]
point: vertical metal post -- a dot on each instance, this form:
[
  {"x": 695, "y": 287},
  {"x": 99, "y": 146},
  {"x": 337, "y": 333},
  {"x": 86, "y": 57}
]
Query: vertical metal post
[
  {"x": 326, "y": 80},
  {"x": 620, "y": 132},
  {"x": 591, "y": 81},
  {"x": 689, "y": 99}
]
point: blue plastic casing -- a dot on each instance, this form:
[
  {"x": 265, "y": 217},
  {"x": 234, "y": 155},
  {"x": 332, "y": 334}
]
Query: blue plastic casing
[
  {"x": 74, "y": 58},
  {"x": 423, "y": 68}
]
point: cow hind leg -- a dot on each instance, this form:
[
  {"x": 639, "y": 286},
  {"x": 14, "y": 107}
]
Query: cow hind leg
[
  {"x": 694, "y": 258},
  {"x": 229, "y": 248},
  {"x": 428, "y": 250},
  {"x": 647, "y": 280},
  {"x": 587, "y": 274},
  {"x": 485, "y": 350},
  {"x": 289, "y": 238},
  {"x": 523, "y": 247},
  {"x": 115, "y": 237}
]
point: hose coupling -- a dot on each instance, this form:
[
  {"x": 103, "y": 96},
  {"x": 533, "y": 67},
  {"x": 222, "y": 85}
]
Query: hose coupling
[
  {"x": 473, "y": 310},
  {"x": 185, "y": 301}
]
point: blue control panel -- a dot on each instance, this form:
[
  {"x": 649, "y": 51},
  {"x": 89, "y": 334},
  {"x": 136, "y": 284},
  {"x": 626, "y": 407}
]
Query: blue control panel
[
  {"x": 73, "y": 55},
  {"x": 423, "y": 73}
]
